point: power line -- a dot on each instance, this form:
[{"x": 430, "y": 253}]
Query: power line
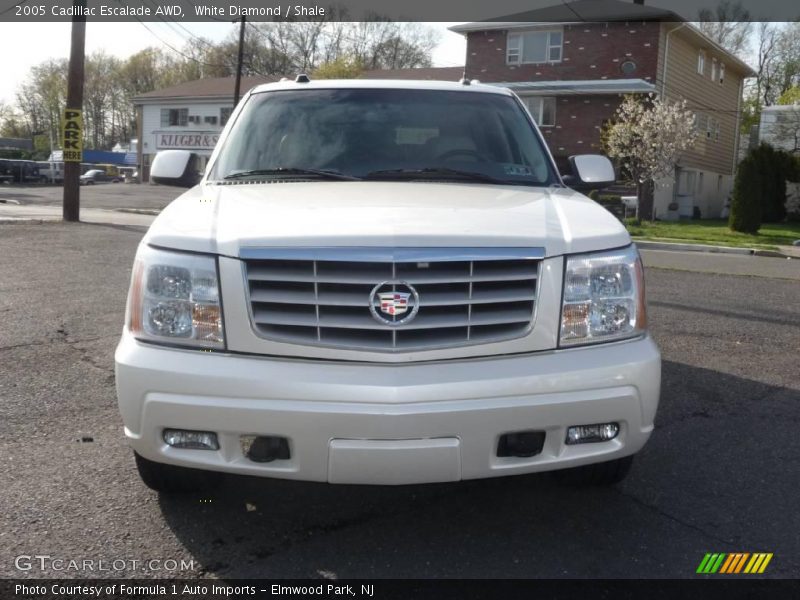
[{"x": 175, "y": 50}]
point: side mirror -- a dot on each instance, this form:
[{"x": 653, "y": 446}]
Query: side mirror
[
  {"x": 589, "y": 172},
  {"x": 175, "y": 167}
]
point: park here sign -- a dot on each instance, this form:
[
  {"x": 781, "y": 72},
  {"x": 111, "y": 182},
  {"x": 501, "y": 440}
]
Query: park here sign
[{"x": 72, "y": 138}]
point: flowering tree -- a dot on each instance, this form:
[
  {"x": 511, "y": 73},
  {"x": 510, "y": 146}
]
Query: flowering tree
[{"x": 647, "y": 138}]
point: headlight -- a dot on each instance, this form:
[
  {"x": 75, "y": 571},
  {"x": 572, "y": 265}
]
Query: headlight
[
  {"x": 603, "y": 297},
  {"x": 174, "y": 298}
]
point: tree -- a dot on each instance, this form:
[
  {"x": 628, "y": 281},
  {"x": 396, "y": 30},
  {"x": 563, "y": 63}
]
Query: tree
[
  {"x": 647, "y": 137},
  {"x": 341, "y": 68},
  {"x": 745, "y": 214},
  {"x": 728, "y": 24},
  {"x": 790, "y": 96},
  {"x": 759, "y": 191}
]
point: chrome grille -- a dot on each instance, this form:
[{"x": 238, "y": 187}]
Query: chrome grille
[{"x": 321, "y": 296}]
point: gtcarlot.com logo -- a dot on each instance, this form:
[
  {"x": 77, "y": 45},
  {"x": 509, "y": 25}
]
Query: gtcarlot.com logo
[
  {"x": 45, "y": 562},
  {"x": 734, "y": 563}
]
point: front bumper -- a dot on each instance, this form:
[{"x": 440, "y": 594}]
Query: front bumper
[{"x": 387, "y": 424}]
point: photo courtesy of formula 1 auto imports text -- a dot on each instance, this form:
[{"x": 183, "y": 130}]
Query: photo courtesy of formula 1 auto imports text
[{"x": 399, "y": 300}]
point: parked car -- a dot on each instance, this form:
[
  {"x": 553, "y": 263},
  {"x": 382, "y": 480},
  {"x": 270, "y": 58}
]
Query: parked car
[
  {"x": 94, "y": 176},
  {"x": 412, "y": 294},
  {"x": 19, "y": 171},
  {"x": 51, "y": 172}
]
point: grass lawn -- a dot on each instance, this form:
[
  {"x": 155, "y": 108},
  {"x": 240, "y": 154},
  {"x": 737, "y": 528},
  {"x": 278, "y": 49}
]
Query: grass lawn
[{"x": 716, "y": 233}]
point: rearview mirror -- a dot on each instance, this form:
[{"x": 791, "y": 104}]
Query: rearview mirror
[
  {"x": 589, "y": 172},
  {"x": 175, "y": 167}
]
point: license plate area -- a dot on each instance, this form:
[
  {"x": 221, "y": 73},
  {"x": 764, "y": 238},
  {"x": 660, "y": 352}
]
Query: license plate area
[{"x": 394, "y": 462}]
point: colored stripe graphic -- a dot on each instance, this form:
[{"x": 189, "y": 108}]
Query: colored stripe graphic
[
  {"x": 711, "y": 563},
  {"x": 741, "y": 562},
  {"x": 732, "y": 558},
  {"x": 724, "y": 563},
  {"x": 758, "y": 563}
]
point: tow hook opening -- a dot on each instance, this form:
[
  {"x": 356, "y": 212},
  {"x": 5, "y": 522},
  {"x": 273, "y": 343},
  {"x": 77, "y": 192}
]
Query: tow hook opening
[
  {"x": 265, "y": 448},
  {"x": 520, "y": 444}
]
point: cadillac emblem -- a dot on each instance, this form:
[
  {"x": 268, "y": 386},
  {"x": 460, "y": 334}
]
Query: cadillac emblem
[{"x": 394, "y": 303}]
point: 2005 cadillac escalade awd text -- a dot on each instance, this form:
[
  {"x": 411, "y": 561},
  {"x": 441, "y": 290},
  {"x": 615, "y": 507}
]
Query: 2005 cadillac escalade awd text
[{"x": 385, "y": 283}]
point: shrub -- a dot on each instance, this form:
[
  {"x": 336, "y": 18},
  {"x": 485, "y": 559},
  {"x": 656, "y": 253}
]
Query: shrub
[{"x": 747, "y": 195}]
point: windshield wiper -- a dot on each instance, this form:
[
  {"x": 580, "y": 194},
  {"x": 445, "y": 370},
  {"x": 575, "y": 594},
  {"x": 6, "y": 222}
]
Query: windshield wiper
[
  {"x": 293, "y": 171},
  {"x": 433, "y": 172}
]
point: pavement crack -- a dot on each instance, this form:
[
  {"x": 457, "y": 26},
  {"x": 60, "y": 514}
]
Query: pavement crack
[
  {"x": 655, "y": 509},
  {"x": 26, "y": 345}
]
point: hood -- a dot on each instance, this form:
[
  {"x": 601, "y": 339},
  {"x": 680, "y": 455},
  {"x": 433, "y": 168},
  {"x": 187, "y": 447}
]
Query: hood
[{"x": 221, "y": 219}]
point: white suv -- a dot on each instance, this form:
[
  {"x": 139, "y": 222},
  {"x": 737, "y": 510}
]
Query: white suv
[{"x": 383, "y": 282}]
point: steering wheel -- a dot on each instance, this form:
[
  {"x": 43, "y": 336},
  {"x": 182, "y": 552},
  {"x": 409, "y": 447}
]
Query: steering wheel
[{"x": 462, "y": 152}]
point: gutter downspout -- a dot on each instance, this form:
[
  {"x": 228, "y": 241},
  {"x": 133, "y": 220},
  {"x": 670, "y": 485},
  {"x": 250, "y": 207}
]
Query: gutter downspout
[
  {"x": 737, "y": 131},
  {"x": 666, "y": 57},
  {"x": 663, "y": 97}
]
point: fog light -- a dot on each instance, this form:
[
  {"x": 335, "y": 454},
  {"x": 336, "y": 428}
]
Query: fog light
[
  {"x": 192, "y": 440},
  {"x": 586, "y": 434}
]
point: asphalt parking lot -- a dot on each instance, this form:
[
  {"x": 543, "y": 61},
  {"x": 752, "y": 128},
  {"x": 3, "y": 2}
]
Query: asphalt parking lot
[
  {"x": 109, "y": 196},
  {"x": 719, "y": 474}
]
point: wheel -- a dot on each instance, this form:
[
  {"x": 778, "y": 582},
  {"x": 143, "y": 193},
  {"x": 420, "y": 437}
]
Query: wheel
[
  {"x": 604, "y": 473},
  {"x": 170, "y": 479}
]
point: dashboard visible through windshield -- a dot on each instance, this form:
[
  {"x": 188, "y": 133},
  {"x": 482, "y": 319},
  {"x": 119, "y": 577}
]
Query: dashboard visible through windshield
[{"x": 384, "y": 134}]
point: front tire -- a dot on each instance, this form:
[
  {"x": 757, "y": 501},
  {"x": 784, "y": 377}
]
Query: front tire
[
  {"x": 604, "y": 473},
  {"x": 169, "y": 479}
]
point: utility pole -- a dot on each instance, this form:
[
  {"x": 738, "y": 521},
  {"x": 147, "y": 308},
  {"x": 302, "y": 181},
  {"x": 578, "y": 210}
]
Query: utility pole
[
  {"x": 239, "y": 64},
  {"x": 72, "y": 168}
]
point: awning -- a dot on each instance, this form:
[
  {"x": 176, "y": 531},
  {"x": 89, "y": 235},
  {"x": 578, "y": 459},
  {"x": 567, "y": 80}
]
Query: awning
[{"x": 586, "y": 86}]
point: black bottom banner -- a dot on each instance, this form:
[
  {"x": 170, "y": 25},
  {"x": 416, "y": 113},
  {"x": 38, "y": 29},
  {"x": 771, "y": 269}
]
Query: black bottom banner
[{"x": 383, "y": 589}]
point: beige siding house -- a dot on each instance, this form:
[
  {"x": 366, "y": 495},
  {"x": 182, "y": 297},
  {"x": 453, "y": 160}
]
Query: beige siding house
[{"x": 692, "y": 67}]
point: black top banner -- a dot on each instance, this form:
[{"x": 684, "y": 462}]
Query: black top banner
[{"x": 407, "y": 10}]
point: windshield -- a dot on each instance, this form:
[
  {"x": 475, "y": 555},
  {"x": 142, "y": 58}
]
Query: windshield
[{"x": 385, "y": 134}]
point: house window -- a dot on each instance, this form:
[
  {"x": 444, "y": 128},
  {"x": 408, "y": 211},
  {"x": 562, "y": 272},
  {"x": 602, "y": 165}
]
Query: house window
[
  {"x": 224, "y": 115},
  {"x": 211, "y": 120},
  {"x": 709, "y": 127},
  {"x": 716, "y": 130},
  {"x": 700, "y": 123},
  {"x": 534, "y": 47},
  {"x": 542, "y": 109},
  {"x": 701, "y": 62},
  {"x": 713, "y": 69},
  {"x": 174, "y": 117},
  {"x": 722, "y": 73}
]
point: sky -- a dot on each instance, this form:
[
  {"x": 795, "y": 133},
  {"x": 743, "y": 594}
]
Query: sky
[{"x": 52, "y": 40}]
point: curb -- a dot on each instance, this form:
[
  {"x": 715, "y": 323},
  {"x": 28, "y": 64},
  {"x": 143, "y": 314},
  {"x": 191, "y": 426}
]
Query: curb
[
  {"x": 139, "y": 211},
  {"x": 680, "y": 247}
]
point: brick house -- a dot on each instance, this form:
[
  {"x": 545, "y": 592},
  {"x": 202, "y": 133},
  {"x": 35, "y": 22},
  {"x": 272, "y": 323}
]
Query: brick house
[{"x": 572, "y": 76}]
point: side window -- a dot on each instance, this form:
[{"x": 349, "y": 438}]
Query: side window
[
  {"x": 713, "y": 69},
  {"x": 722, "y": 73},
  {"x": 701, "y": 62}
]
